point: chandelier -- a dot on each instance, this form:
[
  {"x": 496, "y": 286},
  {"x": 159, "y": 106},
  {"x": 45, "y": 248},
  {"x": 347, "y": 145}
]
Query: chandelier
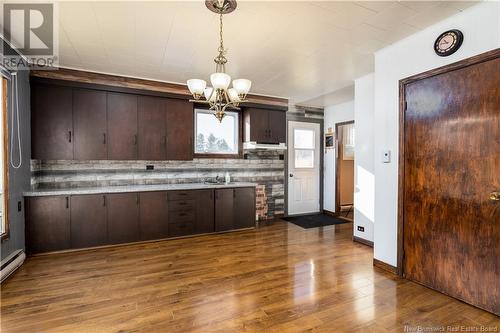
[{"x": 220, "y": 97}]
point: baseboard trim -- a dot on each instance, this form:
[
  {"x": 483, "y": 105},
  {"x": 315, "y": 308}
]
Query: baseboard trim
[
  {"x": 362, "y": 241},
  {"x": 385, "y": 266}
]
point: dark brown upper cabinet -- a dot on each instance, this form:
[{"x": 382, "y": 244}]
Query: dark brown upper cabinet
[
  {"x": 122, "y": 126},
  {"x": 52, "y": 123},
  {"x": 264, "y": 126},
  {"x": 152, "y": 129},
  {"x": 244, "y": 208},
  {"x": 89, "y": 123},
  {"x": 88, "y": 220},
  {"x": 48, "y": 224},
  {"x": 180, "y": 128}
]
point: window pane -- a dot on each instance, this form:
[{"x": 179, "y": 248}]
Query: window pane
[
  {"x": 214, "y": 137},
  {"x": 304, "y": 158},
  {"x": 303, "y": 139}
]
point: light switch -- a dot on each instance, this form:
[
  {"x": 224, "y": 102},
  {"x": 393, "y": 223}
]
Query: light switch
[{"x": 386, "y": 156}]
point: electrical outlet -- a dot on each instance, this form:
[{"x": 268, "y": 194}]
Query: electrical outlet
[
  {"x": 360, "y": 228},
  {"x": 150, "y": 167}
]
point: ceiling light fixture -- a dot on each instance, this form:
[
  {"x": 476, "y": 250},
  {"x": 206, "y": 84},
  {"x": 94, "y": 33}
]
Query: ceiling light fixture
[{"x": 220, "y": 97}]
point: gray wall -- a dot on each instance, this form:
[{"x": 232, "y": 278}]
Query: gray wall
[{"x": 19, "y": 179}]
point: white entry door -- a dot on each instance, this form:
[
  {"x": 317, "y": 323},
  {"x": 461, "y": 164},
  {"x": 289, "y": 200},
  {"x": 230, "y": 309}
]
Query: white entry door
[{"x": 303, "y": 167}]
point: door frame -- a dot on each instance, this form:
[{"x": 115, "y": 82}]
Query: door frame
[
  {"x": 321, "y": 157},
  {"x": 493, "y": 54},
  {"x": 337, "y": 160}
]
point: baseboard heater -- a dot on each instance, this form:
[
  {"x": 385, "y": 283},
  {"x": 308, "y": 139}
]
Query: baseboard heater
[{"x": 11, "y": 263}]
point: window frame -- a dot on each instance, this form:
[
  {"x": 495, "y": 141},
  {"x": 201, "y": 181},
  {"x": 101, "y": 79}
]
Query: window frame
[
  {"x": 5, "y": 152},
  {"x": 237, "y": 155}
]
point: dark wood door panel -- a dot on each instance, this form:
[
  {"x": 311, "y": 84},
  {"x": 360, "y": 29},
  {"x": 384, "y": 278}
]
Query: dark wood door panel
[
  {"x": 205, "y": 211},
  {"x": 153, "y": 215},
  {"x": 180, "y": 129},
  {"x": 52, "y": 122},
  {"x": 89, "y": 121},
  {"x": 152, "y": 128},
  {"x": 277, "y": 126},
  {"x": 88, "y": 220},
  {"x": 451, "y": 233},
  {"x": 244, "y": 208},
  {"x": 122, "y": 126},
  {"x": 224, "y": 209},
  {"x": 48, "y": 227},
  {"x": 123, "y": 217}
]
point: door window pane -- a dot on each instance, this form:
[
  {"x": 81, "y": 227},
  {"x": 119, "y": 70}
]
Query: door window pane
[
  {"x": 303, "y": 139},
  {"x": 304, "y": 158}
]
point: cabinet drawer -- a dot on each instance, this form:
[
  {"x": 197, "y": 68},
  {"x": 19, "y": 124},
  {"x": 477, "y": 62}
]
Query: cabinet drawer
[
  {"x": 180, "y": 229},
  {"x": 180, "y": 216},
  {"x": 181, "y": 205},
  {"x": 181, "y": 195}
]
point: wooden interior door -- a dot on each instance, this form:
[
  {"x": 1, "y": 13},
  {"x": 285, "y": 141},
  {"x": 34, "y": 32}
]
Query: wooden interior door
[{"x": 451, "y": 230}]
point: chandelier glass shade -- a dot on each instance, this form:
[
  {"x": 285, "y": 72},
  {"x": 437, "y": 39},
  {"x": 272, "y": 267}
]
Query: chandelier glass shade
[{"x": 219, "y": 96}]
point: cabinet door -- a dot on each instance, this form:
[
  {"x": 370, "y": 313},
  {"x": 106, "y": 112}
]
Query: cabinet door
[
  {"x": 180, "y": 128},
  {"x": 153, "y": 215},
  {"x": 123, "y": 217},
  {"x": 244, "y": 208},
  {"x": 52, "y": 123},
  {"x": 152, "y": 129},
  {"x": 204, "y": 211},
  {"x": 224, "y": 209},
  {"x": 89, "y": 121},
  {"x": 257, "y": 122},
  {"x": 88, "y": 220},
  {"x": 277, "y": 126},
  {"x": 48, "y": 226},
  {"x": 122, "y": 126}
]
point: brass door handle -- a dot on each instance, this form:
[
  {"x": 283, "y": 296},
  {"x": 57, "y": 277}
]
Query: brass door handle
[{"x": 495, "y": 196}]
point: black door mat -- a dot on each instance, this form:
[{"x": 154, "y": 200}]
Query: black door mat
[{"x": 315, "y": 221}]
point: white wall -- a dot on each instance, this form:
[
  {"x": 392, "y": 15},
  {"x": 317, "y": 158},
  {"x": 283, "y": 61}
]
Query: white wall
[
  {"x": 364, "y": 171},
  {"x": 333, "y": 114},
  {"x": 480, "y": 25}
]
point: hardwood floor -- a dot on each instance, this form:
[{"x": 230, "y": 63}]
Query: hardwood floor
[{"x": 278, "y": 278}]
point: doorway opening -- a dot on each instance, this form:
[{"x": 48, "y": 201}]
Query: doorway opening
[{"x": 344, "y": 169}]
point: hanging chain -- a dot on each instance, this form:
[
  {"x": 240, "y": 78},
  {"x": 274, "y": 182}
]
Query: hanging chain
[
  {"x": 220, "y": 60},
  {"x": 221, "y": 47}
]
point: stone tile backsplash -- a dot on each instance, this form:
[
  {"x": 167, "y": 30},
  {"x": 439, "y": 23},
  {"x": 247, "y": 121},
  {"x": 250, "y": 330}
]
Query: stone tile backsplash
[{"x": 260, "y": 166}]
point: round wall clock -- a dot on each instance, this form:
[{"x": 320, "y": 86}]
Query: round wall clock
[{"x": 448, "y": 42}]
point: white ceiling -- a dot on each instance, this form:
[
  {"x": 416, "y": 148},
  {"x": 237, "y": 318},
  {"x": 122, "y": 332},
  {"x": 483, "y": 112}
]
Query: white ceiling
[{"x": 299, "y": 50}]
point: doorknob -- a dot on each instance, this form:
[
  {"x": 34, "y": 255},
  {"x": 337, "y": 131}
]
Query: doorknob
[
  {"x": 291, "y": 175},
  {"x": 495, "y": 196}
]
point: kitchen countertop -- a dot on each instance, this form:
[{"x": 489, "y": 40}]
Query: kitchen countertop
[{"x": 131, "y": 188}]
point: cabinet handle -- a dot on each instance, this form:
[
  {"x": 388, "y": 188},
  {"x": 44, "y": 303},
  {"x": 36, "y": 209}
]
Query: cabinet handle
[
  {"x": 137, "y": 199},
  {"x": 211, "y": 194},
  {"x": 182, "y": 203},
  {"x": 135, "y": 140},
  {"x": 216, "y": 195},
  {"x": 234, "y": 194},
  {"x": 67, "y": 202},
  {"x": 164, "y": 140},
  {"x": 69, "y": 136},
  {"x": 182, "y": 214},
  {"x": 104, "y": 138},
  {"x": 104, "y": 200}
]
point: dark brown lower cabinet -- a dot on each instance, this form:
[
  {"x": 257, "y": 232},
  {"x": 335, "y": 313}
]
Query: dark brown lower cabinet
[
  {"x": 204, "y": 211},
  {"x": 224, "y": 215},
  {"x": 244, "y": 208},
  {"x": 88, "y": 220},
  {"x": 81, "y": 221},
  {"x": 123, "y": 217},
  {"x": 48, "y": 226},
  {"x": 153, "y": 213}
]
